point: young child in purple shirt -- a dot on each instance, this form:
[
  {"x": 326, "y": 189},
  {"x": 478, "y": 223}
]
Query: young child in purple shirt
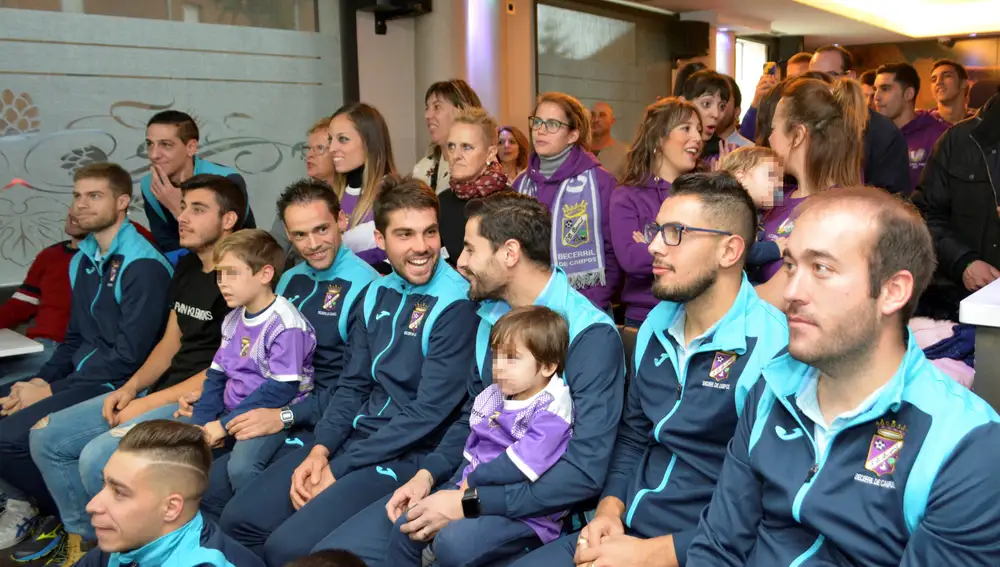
[
  {"x": 265, "y": 360},
  {"x": 526, "y": 413}
]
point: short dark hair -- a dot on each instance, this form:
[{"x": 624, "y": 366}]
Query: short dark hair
[
  {"x": 455, "y": 91},
  {"x": 868, "y": 78},
  {"x": 904, "y": 74},
  {"x": 398, "y": 193},
  {"x": 328, "y": 558},
  {"x": 683, "y": 73},
  {"x": 305, "y": 191},
  {"x": 543, "y": 332},
  {"x": 737, "y": 98},
  {"x": 963, "y": 74},
  {"x": 187, "y": 129},
  {"x": 901, "y": 241},
  {"x": 227, "y": 194},
  {"x": 118, "y": 179},
  {"x": 172, "y": 442},
  {"x": 507, "y": 216},
  {"x": 726, "y": 202},
  {"x": 846, "y": 59},
  {"x": 706, "y": 82}
]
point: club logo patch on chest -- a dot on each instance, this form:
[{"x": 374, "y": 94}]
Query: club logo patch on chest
[
  {"x": 417, "y": 317},
  {"x": 244, "y": 347},
  {"x": 331, "y": 297},
  {"x": 883, "y": 451}
]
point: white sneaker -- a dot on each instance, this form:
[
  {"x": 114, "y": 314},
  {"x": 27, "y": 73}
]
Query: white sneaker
[{"x": 15, "y": 522}]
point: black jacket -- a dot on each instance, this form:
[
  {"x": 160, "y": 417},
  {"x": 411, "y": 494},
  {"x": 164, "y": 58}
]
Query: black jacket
[
  {"x": 957, "y": 194},
  {"x": 887, "y": 161}
]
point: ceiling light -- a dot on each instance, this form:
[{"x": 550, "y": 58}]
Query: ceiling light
[{"x": 918, "y": 18}]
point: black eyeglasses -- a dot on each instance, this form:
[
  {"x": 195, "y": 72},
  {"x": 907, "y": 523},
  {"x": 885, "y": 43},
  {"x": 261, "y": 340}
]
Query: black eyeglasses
[
  {"x": 672, "y": 232},
  {"x": 551, "y": 125}
]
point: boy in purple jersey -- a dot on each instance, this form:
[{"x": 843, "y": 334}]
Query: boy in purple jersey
[
  {"x": 527, "y": 414},
  {"x": 265, "y": 360}
]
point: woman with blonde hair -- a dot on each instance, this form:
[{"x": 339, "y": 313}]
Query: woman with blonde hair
[
  {"x": 569, "y": 180},
  {"x": 667, "y": 144},
  {"x": 442, "y": 102},
  {"x": 817, "y": 133},
  {"x": 362, "y": 157}
]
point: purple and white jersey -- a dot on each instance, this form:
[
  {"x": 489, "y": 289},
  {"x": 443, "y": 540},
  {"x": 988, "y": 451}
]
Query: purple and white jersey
[
  {"x": 533, "y": 433},
  {"x": 276, "y": 344}
]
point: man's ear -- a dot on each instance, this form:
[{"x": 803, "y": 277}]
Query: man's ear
[
  {"x": 191, "y": 147},
  {"x": 173, "y": 507},
  {"x": 379, "y": 239}
]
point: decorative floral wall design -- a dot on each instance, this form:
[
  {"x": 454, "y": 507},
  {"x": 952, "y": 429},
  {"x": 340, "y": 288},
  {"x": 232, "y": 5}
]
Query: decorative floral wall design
[{"x": 18, "y": 114}]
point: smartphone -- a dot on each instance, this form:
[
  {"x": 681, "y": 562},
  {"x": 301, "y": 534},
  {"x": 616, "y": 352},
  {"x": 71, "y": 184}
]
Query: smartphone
[{"x": 770, "y": 68}]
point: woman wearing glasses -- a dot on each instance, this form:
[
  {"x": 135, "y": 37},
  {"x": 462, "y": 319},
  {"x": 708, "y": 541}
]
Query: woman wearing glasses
[
  {"x": 362, "y": 157},
  {"x": 570, "y": 181},
  {"x": 667, "y": 145},
  {"x": 442, "y": 102}
]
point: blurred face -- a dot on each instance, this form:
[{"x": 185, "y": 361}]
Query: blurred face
[
  {"x": 829, "y": 62},
  {"x": 947, "y": 84},
  {"x": 796, "y": 69},
  {"x": 831, "y": 315},
  {"x": 319, "y": 159},
  {"x": 95, "y": 207},
  {"x": 237, "y": 282},
  {"x": 763, "y": 182},
  {"x": 201, "y": 222},
  {"x": 551, "y": 133},
  {"x": 72, "y": 227},
  {"x": 890, "y": 97},
  {"x": 684, "y": 272},
  {"x": 133, "y": 508},
  {"x": 869, "y": 95},
  {"x": 315, "y": 232},
  {"x": 166, "y": 150},
  {"x": 438, "y": 114},
  {"x": 482, "y": 265},
  {"x": 412, "y": 243},
  {"x": 681, "y": 148},
  {"x": 602, "y": 119},
  {"x": 518, "y": 373},
  {"x": 468, "y": 152},
  {"x": 346, "y": 148},
  {"x": 508, "y": 148},
  {"x": 711, "y": 108}
]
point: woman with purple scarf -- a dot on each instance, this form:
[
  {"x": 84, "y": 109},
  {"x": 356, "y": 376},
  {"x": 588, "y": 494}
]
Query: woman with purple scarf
[
  {"x": 667, "y": 145},
  {"x": 570, "y": 181},
  {"x": 362, "y": 157}
]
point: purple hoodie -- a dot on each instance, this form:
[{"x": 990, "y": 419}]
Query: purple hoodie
[
  {"x": 577, "y": 162},
  {"x": 631, "y": 209},
  {"x": 921, "y": 134}
]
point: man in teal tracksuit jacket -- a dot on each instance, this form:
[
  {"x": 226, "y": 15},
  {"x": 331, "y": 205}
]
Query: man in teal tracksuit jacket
[
  {"x": 869, "y": 455},
  {"x": 594, "y": 372},
  {"x": 394, "y": 400}
]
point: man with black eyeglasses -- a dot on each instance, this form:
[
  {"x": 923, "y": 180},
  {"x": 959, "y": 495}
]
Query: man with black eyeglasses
[{"x": 698, "y": 354}]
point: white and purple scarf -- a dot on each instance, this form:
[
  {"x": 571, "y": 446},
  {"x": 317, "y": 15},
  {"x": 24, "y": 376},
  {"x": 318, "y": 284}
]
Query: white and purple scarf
[{"x": 577, "y": 247}]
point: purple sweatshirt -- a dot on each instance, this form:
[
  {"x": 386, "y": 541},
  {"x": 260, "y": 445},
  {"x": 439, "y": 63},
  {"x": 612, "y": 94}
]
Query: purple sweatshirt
[
  {"x": 632, "y": 208},
  {"x": 577, "y": 162},
  {"x": 778, "y": 224},
  {"x": 921, "y": 134}
]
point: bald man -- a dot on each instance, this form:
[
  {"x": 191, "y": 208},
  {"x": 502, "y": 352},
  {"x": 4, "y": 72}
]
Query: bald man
[
  {"x": 611, "y": 152},
  {"x": 147, "y": 513}
]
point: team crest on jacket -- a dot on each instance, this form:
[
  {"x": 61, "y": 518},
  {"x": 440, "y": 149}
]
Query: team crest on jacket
[
  {"x": 883, "y": 452},
  {"x": 417, "y": 316},
  {"x": 575, "y": 228},
  {"x": 244, "y": 347},
  {"x": 721, "y": 365},
  {"x": 331, "y": 297},
  {"x": 115, "y": 265}
]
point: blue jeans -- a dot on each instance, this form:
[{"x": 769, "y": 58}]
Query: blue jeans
[
  {"x": 71, "y": 452},
  {"x": 250, "y": 457},
  {"x": 26, "y": 366},
  {"x": 463, "y": 543}
]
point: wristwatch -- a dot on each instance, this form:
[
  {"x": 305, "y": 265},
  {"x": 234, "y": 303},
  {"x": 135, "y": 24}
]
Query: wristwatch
[
  {"x": 470, "y": 503},
  {"x": 287, "y": 417}
]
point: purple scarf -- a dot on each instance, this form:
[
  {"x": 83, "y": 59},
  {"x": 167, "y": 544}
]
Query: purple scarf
[{"x": 577, "y": 247}]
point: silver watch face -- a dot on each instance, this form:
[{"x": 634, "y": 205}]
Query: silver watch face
[{"x": 286, "y": 416}]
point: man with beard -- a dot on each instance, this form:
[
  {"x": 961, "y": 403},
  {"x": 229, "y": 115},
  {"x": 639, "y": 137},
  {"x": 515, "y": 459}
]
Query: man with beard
[
  {"x": 697, "y": 355},
  {"x": 325, "y": 288},
  {"x": 71, "y": 447},
  {"x": 119, "y": 307},
  {"x": 854, "y": 449},
  {"x": 506, "y": 259},
  {"x": 395, "y": 399}
]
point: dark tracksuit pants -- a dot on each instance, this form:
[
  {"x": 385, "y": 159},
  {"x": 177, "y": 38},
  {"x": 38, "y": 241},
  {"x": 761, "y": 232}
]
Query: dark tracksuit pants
[
  {"x": 262, "y": 517},
  {"x": 16, "y": 466}
]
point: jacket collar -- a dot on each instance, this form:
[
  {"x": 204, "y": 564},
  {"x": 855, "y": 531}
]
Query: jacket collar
[
  {"x": 553, "y": 296},
  {"x": 987, "y": 129},
  {"x": 92, "y": 250},
  {"x": 331, "y": 272},
  {"x": 728, "y": 334},
  {"x": 397, "y": 282},
  {"x": 157, "y": 552}
]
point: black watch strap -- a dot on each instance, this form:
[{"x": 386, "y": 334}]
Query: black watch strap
[{"x": 470, "y": 503}]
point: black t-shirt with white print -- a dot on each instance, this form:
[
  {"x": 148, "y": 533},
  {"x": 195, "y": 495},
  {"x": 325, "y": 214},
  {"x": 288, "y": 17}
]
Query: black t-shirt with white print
[{"x": 195, "y": 297}]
